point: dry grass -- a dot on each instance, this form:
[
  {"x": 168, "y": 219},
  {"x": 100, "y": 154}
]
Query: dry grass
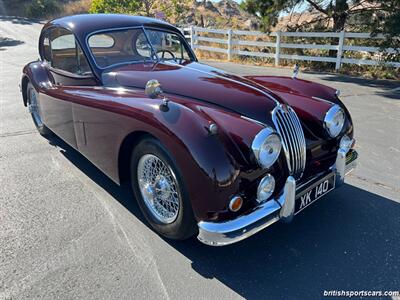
[
  {"x": 371, "y": 72},
  {"x": 379, "y": 71}
]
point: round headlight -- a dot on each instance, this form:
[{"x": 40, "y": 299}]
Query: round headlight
[
  {"x": 334, "y": 120},
  {"x": 265, "y": 188},
  {"x": 266, "y": 147}
]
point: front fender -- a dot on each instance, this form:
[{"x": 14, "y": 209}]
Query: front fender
[
  {"x": 309, "y": 99},
  {"x": 297, "y": 86},
  {"x": 210, "y": 164}
]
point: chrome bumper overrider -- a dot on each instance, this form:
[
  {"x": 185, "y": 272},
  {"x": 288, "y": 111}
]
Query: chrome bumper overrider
[{"x": 267, "y": 213}]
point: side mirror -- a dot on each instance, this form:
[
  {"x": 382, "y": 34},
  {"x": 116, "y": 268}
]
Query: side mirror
[{"x": 153, "y": 88}]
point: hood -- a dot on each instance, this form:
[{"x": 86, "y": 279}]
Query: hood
[
  {"x": 252, "y": 96},
  {"x": 200, "y": 82}
]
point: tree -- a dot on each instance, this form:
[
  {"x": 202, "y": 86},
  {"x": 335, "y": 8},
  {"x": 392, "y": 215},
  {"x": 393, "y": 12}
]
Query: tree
[
  {"x": 174, "y": 9},
  {"x": 139, "y": 7},
  {"x": 375, "y": 16},
  {"x": 385, "y": 19},
  {"x": 381, "y": 13}
]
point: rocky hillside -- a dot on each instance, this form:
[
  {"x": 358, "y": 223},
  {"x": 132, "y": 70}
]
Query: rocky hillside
[
  {"x": 204, "y": 13},
  {"x": 222, "y": 14}
]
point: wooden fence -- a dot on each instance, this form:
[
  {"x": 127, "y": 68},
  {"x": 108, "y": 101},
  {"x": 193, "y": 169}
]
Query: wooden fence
[{"x": 232, "y": 40}]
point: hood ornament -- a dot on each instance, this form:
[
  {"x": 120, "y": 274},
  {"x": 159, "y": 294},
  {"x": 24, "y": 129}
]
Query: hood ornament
[
  {"x": 296, "y": 70},
  {"x": 285, "y": 108}
]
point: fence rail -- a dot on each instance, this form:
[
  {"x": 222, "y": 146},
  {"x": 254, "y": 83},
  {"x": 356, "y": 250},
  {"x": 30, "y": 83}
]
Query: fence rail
[{"x": 231, "y": 41}]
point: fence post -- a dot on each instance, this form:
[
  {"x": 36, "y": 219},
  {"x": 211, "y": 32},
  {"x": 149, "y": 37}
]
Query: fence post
[
  {"x": 229, "y": 50},
  {"x": 192, "y": 37},
  {"x": 277, "y": 48},
  {"x": 340, "y": 50}
]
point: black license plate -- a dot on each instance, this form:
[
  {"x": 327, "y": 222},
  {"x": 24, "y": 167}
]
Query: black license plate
[{"x": 314, "y": 192}]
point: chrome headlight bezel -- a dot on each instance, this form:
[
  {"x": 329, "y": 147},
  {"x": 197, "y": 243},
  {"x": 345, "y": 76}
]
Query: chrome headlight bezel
[
  {"x": 265, "y": 188},
  {"x": 330, "y": 121},
  {"x": 259, "y": 146}
]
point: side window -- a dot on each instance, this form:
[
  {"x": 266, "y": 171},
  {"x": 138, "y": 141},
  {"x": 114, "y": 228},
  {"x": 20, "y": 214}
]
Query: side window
[
  {"x": 168, "y": 45},
  {"x": 66, "y": 54}
]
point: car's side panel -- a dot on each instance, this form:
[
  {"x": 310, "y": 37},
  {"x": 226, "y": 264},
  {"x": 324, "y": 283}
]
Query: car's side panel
[
  {"x": 57, "y": 114},
  {"x": 101, "y": 118},
  {"x": 57, "y": 107},
  {"x": 104, "y": 117},
  {"x": 56, "y": 110}
]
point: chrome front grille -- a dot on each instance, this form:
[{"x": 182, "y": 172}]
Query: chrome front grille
[{"x": 293, "y": 142}]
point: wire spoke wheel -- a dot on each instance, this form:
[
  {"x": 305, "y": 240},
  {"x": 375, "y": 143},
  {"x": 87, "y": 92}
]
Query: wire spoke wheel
[{"x": 159, "y": 188}]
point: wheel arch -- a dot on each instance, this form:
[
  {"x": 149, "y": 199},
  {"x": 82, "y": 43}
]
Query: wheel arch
[
  {"x": 209, "y": 163},
  {"x": 124, "y": 153},
  {"x": 24, "y": 84}
]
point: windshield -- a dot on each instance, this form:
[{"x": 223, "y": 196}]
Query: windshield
[{"x": 134, "y": 45}]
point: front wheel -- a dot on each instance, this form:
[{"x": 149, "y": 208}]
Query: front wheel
[
  {"x": 34, "y": 110},
  {"x": 160, "y": 191}
]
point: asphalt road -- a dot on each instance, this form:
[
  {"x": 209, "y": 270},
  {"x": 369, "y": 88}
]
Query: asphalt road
[{"x": 67, "y": 231}]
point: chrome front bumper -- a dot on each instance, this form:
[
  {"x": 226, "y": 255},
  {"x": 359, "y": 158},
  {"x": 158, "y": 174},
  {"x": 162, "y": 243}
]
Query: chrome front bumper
[{"x": 267, "y": 213}]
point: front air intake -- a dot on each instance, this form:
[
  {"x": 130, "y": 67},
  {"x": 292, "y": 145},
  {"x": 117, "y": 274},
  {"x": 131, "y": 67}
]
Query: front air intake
[{"x": 293, "y": 142}]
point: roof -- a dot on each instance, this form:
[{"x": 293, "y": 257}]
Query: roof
[{"x": 82, "y": 25}]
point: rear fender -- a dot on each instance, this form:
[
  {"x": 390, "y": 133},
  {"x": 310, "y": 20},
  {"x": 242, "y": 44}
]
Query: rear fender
[{"x": 37, "y": 74}]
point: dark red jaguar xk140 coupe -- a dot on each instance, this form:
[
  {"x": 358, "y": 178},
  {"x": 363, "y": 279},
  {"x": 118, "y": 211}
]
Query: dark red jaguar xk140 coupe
[{"x": 206, "y": 152}]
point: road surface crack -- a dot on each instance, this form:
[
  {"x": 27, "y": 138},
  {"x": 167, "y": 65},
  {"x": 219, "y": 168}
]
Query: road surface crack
[{"x": 16, "y": 133}]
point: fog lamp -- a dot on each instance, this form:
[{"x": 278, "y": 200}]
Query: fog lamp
[
  {"x": 346, "y": 143},
  {"x": 265, "y": 188}
]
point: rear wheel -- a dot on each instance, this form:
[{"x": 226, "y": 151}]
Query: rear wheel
[
  {"x": 34, "y": 110},
  {"x": 160, "y": 191}
]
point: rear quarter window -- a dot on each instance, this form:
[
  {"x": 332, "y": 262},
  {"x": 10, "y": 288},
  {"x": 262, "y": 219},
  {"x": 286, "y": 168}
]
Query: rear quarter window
[{"x": 101, "y": 41}]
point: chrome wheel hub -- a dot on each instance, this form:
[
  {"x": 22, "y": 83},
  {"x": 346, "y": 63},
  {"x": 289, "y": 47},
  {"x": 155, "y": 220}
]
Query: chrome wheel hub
[{"x": 159, "y": 188}]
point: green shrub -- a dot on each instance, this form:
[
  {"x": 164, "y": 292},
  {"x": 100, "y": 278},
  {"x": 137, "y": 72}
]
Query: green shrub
[
  {"x": 42, "y": 8},
  {"x": 115, "y": 6}
]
